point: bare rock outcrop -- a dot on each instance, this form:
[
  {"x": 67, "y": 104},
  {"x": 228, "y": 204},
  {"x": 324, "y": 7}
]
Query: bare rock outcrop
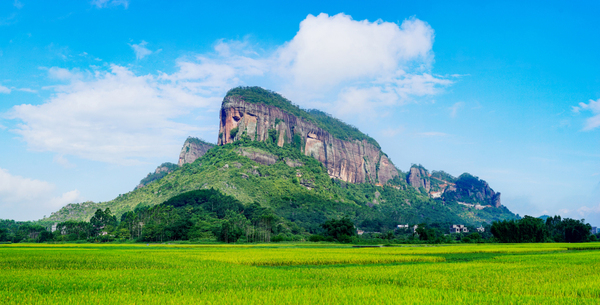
[
  {"x": 419, "y": 177},
  {"x": 474, "y": 190},
  {"x": 258, "y": 155},
  {"x": 193, "y": 148},
  {"x": 352, "y": 161}
]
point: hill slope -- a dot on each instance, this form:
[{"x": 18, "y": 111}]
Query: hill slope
[{"x": 296, "y": 187}]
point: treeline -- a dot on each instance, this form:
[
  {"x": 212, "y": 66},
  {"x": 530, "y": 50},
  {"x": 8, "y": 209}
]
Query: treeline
[
  {"x": 18, "y": 231},
  {"x": 534, "y": 230},
  {"x": 196, "y": 215}
]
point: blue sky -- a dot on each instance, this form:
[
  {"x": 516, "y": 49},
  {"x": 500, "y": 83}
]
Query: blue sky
[{"x": 95, "y": 94}]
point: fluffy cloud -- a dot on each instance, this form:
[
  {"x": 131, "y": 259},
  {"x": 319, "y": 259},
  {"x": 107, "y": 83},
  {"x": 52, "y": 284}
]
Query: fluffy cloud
[
  {"x": 368, "y": 64},
  {"x": 594, "y": 107},
  {"x": 26, "y": 199},
  {"x": 116, "y": 116},
  {"x": 107, "y": 3},
  {"x": 328, "y": 50},
  {"x": 119, "y": 117}
]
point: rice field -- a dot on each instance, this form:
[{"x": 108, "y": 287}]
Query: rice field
[{"x": 299, "y": 274}]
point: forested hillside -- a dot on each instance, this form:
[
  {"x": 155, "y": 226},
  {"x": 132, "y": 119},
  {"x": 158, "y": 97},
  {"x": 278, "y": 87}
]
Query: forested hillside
[{"x": 295, "y": 187}]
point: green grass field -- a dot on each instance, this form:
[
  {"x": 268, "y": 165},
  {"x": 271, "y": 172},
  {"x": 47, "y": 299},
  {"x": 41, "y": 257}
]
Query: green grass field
[{"x": 299, "y": 274}]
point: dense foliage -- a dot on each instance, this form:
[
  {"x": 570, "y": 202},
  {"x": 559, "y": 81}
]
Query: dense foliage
[
  {"x": 166, "y": 168},
  {"x": 303, "y": 197},
  {"x": 335, "y": 127},
  {"x": 530, "y": 229},
  {"x": 339, "y": 229}
]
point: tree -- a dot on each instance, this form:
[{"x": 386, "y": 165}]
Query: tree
[
  {"x": 102, "y": 219},
  {"x": 576, "y": 230},
  {"x": 233, "y": 227},
  {"x": 341, "y": 229},
  {"x": 528, "y": 229}
]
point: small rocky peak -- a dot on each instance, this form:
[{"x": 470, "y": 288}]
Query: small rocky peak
[
  {"x": 193, "y": 148},
  {"x": 160, "y": 172},
  {"x": 418, "y": 177}
]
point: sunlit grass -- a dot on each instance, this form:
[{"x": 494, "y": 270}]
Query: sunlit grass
[{"x": 298, "y": 274}]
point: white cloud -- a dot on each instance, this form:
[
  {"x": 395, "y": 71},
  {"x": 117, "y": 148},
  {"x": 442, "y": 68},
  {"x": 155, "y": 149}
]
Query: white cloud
[
  {"x": 113, "y": 117},
  {"x": 140, "y": 50},
  {"x": 454, "y": 109},
  {"x": 18, "y": 4},
  {"x": 119, "y": 117},
  {"x": 364, "y": 64},
  {"x": 584, "y": 211},
  {"x": 594, "y": 107},
  {"x": 27, "y": 199},
  {"x": 65, "y": 198},
  {"x": 328, "y": 50},
  {"x": 107, "y": 3},
  {"x": 29, "y": 90},
  {"x": 64, "y": 74},
  {"x": 4, "y": 89},
  {"x": 116, "y": 116}
]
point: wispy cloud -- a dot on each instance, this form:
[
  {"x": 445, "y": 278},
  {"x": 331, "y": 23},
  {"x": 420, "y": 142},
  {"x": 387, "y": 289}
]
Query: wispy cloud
[
  {"x": 392, "y": 132},
  {"x": 60, "y": 159},
  {"x": 30, "y": 198},
  {"x": 29, "y": 90},
  {"x": 108, "y": 3},
  {"x": 433, "y": 134},
  {"x": 18, "y": 4},
  {"x": 594, "y": 107},
  {"x": 5, "y": 90},
  {"x": 455, "y": 108},
  {"x": 141, "y": 51}
]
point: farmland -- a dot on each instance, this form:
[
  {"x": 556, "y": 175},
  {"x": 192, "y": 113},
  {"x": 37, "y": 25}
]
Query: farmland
[{"x": 299, "y": 274}]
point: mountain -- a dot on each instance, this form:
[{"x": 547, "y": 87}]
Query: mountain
[
  {"x": 347, "y": 153},
  {"x": 193, "y": 148},
  {"x": 161, "y": 171},
  {"x": 307, "y": 167}
]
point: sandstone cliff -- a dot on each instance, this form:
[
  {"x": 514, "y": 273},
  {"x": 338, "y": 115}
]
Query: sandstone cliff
[
  {"x": 474, "y": 190},
  {"x": 349, "y": 159},
  {"x": 419, "y": 177},
  {"x": 192, "y": 149}
]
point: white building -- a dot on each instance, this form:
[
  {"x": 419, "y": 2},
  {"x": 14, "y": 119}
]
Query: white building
[{"x": 458, "y": 229}]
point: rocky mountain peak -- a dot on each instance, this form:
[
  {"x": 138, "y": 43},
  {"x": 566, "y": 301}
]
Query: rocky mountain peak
[
  {"x": 418, "y": 177},
  {"x": 263, "y": 115},
  {"x": 192, "y": 149}
]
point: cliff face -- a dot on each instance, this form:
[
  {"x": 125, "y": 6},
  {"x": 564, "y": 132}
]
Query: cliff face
[
  {"x": 352, "y": 161},
  {"x": 419, "y": 177},
  {"x": 193, "y": 148},
  {"x": 473, "y": 189}
]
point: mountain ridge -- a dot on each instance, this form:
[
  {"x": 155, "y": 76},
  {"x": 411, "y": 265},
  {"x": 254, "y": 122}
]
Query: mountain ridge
[{"x": 305, "y": 174}]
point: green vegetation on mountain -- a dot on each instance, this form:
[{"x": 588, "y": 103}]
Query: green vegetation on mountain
[
  {"x": 305, "y": 196},
  {"x": 198, "y": 141},
  {"x": 165, "y": 169},
  {"x": 335, "y": 127},
  {"x": 442, "y": 175}
]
